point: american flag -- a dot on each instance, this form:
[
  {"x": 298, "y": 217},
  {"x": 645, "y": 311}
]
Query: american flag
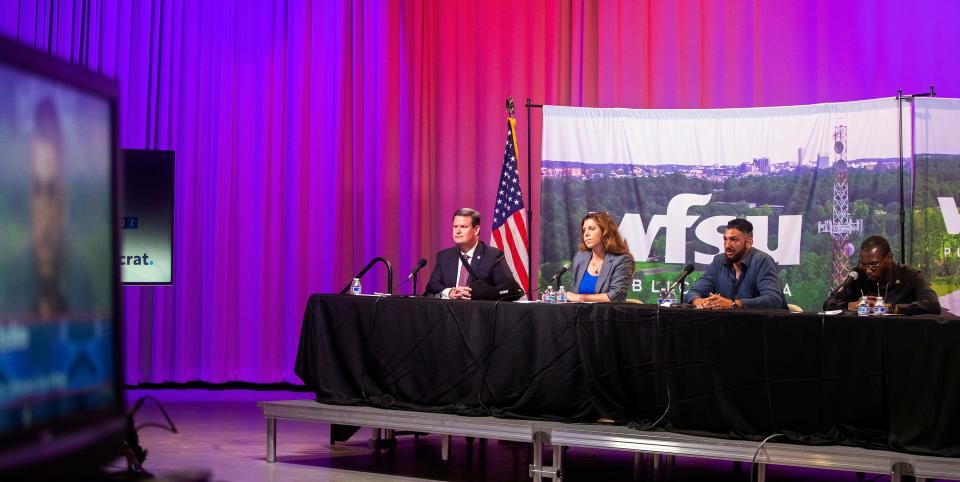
[{"x": 509, "y": 218}]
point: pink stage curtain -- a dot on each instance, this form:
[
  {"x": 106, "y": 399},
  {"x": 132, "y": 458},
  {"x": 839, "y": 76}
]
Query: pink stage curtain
[{"x": 313, "y": 136}]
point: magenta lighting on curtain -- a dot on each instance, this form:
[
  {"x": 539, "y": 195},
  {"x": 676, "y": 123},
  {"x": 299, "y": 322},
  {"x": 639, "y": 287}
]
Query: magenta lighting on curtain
[{"x": 312, "y": 136}]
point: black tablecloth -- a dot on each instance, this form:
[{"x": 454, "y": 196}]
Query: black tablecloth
[{"x": 888, "y": 382}]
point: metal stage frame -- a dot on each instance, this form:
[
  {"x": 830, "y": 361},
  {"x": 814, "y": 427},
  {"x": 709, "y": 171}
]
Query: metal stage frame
[{"x": 600, "y": 436}]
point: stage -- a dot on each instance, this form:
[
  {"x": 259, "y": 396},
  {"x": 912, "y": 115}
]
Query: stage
[
  {"x": 661, "y": 447},
  {"x": 223, "y": 432}
]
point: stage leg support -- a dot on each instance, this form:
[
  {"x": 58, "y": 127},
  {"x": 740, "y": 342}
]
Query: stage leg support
[
  {"x": 537, "y": 471},
  {"x": 761, "y": 472},
  {"x": 900, "y": 470},
  {"x": 558, "y": 462},
  {"x": 536, "y": 468},
  {"x": 271, "y": 439},
  {"x": 445, "y": 448},
  {"x": 390, "y": 437}
]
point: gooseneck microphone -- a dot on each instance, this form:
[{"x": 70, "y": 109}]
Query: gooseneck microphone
[
  {"x": 686, "y": 270},
  {"x": 378, "y": 259}
]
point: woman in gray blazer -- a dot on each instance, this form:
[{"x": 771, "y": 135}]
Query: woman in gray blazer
[{"x": 603, "y": 268}]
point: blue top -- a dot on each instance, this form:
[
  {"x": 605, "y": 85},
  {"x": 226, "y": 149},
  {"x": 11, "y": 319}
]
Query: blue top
[
  {"x": 758, "y": 286},
  {"x": 614, "y": 278},
  {"x": 588, "y": 285}
]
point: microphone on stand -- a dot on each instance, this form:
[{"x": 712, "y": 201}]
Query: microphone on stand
[
  {"x": 418, "y": 267},
  {"x": 413, "y": 273},
  {"x": 686, "y": 270},
  {"x": 852, "y": 277},
  {"x": 563, "y": 269}
]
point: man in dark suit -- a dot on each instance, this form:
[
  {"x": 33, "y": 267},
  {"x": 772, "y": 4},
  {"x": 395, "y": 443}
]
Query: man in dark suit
[{"x": 450, "y": 278}]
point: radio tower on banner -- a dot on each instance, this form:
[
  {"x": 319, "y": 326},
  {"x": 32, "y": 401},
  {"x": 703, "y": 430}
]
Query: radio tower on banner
[{"x": 841, "y": 226}]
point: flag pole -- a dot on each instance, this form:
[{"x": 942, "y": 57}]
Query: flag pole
[{"x": 530, "y": 105}]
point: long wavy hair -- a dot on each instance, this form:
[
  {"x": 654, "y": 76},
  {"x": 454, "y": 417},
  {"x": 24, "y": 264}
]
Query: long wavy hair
[{"x": 610, "y": 236}]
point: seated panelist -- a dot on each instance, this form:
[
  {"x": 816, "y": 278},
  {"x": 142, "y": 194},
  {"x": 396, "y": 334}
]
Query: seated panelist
[
  {"x": 904, "y": 290},
  {"x": 740, "y": 276},
  {"x": 603, "y": 267},
  {"x": 450, "y": 278}
]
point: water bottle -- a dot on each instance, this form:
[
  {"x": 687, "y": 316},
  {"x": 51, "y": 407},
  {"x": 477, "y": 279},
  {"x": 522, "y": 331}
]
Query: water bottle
[
  {"x": 661, "y": 296},
  {"x": 549, "y": 296},
  {"x": 670, "y": 299},
  {"x": 878, "y": 307},
  {"x": 561, "y": 294},
  {"x": 863, "y": 309},
  {"x": 355, "y": 286}
]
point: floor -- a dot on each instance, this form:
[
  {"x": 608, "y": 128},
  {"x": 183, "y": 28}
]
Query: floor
[{"x": 224, "y": 434}]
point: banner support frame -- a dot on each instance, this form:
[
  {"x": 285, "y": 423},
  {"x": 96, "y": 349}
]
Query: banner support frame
[
  {"x": 903, "y": 218},
  {"x": 530, "y": 105}
]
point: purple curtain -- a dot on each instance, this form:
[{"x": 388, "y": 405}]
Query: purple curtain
[{"x": 312, "y": 136}]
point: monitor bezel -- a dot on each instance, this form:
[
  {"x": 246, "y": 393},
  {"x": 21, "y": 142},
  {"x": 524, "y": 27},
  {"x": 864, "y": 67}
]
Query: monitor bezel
[{"x": 90, "y": 435}]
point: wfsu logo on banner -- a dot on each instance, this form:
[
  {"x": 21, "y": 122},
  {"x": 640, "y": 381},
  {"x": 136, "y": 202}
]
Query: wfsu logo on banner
[
  {"x": 677, "y": 221},
  {"x": 951, "y": 215},
  {"x": 951, "y": 220}
]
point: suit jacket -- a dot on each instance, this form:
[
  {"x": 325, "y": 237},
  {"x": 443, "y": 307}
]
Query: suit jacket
[
  {"x": 487, "y": 262},
  {"x": 908, "y": 291},
  {"x": 615, "y": 275}
]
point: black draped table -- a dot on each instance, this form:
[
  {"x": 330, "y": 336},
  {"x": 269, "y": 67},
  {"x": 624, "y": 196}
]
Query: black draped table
[{"x": 878, "y": 382}]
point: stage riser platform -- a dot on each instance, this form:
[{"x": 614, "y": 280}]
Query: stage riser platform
[{"x": 599, "y": 436}]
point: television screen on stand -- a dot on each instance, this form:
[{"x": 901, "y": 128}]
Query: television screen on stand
[{"x": 61, "y": 385}]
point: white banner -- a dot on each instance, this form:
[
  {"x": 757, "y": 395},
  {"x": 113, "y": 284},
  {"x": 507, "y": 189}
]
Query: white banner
[
  {"x": 935, "y": 231},
  {"x": 814, "y": 180}
]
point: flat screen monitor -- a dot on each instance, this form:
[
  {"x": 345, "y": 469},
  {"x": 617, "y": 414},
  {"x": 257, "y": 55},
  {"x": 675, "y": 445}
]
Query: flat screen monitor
[
  {"x": 147, "y": 217},
  {"x": 61, "y": 392}
]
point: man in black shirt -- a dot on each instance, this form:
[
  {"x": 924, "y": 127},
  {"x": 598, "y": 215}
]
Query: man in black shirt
[{"x": 904, "y": 290}]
